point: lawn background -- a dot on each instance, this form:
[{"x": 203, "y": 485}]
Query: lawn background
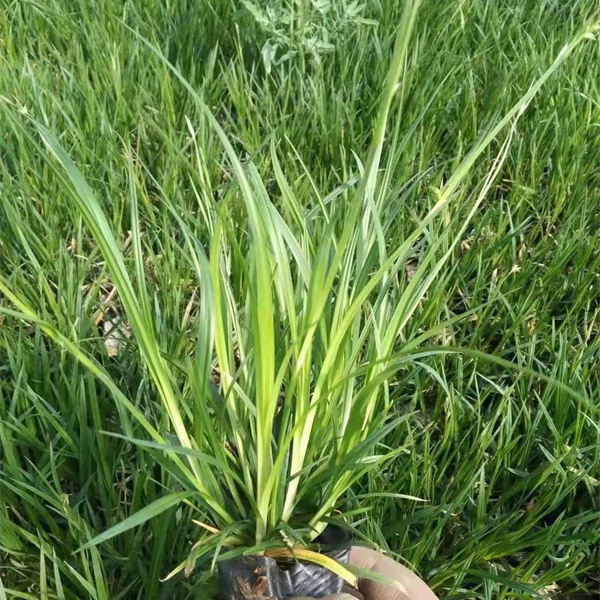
[{"x": 508, "y": 465}]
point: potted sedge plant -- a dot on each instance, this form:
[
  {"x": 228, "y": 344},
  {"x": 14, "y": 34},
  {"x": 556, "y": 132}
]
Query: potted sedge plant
[{"x": 300, "y": 320}]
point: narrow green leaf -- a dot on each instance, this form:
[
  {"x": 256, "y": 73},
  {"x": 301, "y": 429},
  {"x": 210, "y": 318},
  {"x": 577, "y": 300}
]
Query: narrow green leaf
[{"x": 145, "y": 514}]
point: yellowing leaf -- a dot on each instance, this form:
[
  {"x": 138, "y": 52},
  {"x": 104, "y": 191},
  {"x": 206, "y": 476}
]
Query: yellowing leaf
[{"x": 303, "y": 554}]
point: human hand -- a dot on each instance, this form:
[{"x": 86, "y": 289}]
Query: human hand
[{"x": 414, "y": 588}]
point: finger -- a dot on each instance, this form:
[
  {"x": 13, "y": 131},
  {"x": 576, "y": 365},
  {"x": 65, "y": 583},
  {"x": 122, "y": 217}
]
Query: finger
[
  {"x": 332, "y": 597},
  {"x": 348, "y": 594},
  {"x": 414, "y": 588}
]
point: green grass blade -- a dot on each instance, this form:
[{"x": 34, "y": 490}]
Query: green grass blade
[{"x": 145, "y": 514}]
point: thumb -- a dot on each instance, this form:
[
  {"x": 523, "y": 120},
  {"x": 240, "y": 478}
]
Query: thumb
[{"x": 414, "y": 588}]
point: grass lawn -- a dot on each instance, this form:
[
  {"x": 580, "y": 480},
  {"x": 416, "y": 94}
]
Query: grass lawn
[{"x": 490, "y": 486}]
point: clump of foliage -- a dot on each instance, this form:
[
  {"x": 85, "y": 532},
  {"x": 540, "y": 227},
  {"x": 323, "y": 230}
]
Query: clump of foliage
[{"x": 307, "y": 28}]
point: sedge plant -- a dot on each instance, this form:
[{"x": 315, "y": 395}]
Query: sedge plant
[{"x": 300, "y": 328}]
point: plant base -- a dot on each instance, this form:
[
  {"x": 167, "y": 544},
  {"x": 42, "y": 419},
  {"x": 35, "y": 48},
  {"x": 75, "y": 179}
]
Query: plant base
[{"x": 262, "y": 578}]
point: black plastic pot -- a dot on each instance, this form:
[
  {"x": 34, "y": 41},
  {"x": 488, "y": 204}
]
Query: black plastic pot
[{"x": 262, "y": 578}]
